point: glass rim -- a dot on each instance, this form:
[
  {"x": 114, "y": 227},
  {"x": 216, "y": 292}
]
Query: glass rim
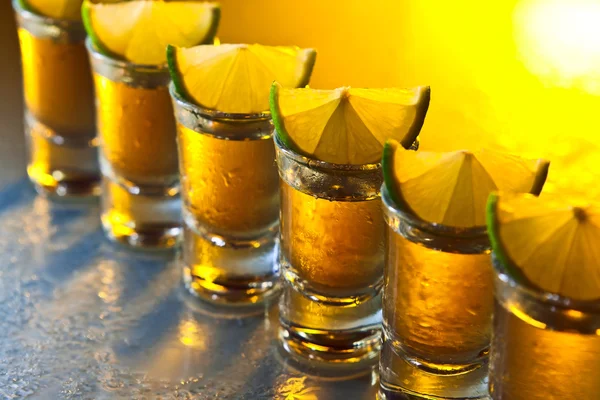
[
  {"x": 430, "y": 227},
  {"x": 118, "y": 63},
  {"x": 64, "y": 31},
  {"x": 314, "y": 163},
  {"x": 212, "y": 113},
  {"x": 540, "y": 295},
  {"x": 43, "y": 19}
]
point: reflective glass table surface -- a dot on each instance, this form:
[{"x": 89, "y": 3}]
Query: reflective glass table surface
[{"x": 83, "y": 318}]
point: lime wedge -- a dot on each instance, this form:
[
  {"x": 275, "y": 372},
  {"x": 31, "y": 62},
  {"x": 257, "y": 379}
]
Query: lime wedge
[
  {"x": 58, "y": 9},
  {"x": 550, "y": 243},
  {"x": 236, "y": 78},
  {"x": 347, "y": 125},
  {"x": 452, "y": 188},
  {"x": 140, "y": 30}
]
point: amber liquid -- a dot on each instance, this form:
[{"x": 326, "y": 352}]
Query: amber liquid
[
  {"x": 59, "y": 95},
  {"x": 334, "y": 245},
  {"x": 332, "y": 259},
  {"x": 137, "y": 130},
  {"x": 136, "y": 125},
  {"x": 438, "y": 305},
  {"x": 230, "y": 187},
  {"x": 532, "y": 362},
  {"x": 58, "y": 84}
]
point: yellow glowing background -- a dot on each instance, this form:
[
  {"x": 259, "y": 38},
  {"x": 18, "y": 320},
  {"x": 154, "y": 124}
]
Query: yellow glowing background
[{"x": 522, "y": 76}]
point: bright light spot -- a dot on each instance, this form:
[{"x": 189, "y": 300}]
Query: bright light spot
[
  {"x": 559, "y": 41},
  {"x": 191, "y": 334},
  {"x": 109, "y": 291},
  {"x": 58, "y": 175},
  {"x": 575, "y": 314},
  {"x": 296, "y": 389},
  {"x": 517, "y": 312}
]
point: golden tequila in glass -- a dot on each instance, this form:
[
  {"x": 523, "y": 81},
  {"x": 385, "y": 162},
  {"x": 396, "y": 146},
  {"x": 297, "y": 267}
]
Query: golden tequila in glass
[
  {"x": 437, "y": 309},
  {"x": 230, "y": 203},
  {"x": 332, "y": 249},
  {"x": 544, "y": 346},
  {"x": 59, "y": 100},
  {"x": 138, "y": 157}
]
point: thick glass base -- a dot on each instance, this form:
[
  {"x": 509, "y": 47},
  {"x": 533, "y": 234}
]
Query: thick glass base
[
  {"x": 59, "y": 166},
  {"x": 138, "y": 221},
  {"x": 403, "y": 377},
  {"x": 328, "y": 334},
  {"x": 340, "y": 297},
  {"x": 229, "y": 272}
]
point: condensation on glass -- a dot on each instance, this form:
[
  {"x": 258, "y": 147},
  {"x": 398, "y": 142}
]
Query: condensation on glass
[
  {"x": 437, "y": 309},
  {"x": 59, "y": 106},
  {"x": 230, "y": 204},
  {"x": 544, "y": 346},
  {"x": 332, "y": 252},
  {"x": 141, "y": 205}
]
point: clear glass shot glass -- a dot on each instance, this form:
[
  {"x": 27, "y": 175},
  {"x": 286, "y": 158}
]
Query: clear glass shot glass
[
  {"x": 59, "y": 106},
  {"x": 332, "y": 255},
  {"x": 544, "y": 346},
  {"x": 230, "y": 204},
  {"x": 141, "y": 204},
  {"x": 437, "y": 309}
]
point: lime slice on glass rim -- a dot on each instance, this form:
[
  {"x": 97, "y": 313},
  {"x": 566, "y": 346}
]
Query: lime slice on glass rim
[
  {"x": 347, "y": 125},
  {"x": 140, "y": 30},
  {"x": 235, "y": 78},
  {"x": 550, "y": 243},
  {"x": 452, "y": 188},
  {"x": 58, "y": 9}
]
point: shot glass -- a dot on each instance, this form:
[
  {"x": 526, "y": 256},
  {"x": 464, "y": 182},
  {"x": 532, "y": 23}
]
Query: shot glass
[
  {"x": 332, "y": 255},
  {"x": 230, "y": 204},
  {"x": 543, "y": 346},
  {"x": 59, "y": 106},
  {"x": 141, "y": 204},
  {"x": 437, "y": 309}
]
